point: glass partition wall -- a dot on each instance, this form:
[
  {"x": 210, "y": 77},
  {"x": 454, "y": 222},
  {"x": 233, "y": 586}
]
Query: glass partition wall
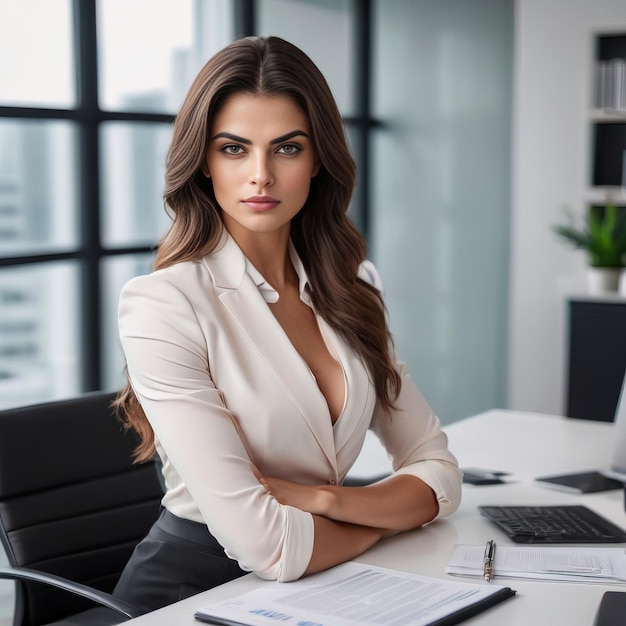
[{"x": 440, "y": 201}]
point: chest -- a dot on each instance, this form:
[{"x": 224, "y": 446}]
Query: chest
[
  {"x": 268, "y": 368},
  {"x": 300, "y": 325}
]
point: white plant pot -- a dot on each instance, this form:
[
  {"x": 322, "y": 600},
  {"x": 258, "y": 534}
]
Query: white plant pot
[{"x": 603, "y": 280}]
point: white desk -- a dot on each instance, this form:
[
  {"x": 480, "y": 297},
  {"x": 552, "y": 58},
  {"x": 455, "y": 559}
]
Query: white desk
[{"x": 526, "y": 444}]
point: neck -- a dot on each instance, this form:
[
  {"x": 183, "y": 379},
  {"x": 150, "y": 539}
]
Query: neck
[{"x": 269, "y": 253}]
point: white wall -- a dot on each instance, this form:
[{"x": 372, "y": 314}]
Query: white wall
[{"x": 552, "y": 91}]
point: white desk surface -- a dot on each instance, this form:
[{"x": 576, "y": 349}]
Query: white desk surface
[{"x": 527, "y": 445}]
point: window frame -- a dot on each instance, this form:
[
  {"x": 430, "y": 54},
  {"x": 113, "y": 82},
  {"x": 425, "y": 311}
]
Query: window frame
[{"x": 87, "y": 118}]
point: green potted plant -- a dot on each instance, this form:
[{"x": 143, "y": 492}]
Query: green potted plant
[{"x": 603, "y": 236}]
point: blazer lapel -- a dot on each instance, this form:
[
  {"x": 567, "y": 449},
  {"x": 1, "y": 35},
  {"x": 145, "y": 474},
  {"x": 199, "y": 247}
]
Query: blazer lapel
[{"x": 241, "y": 297}]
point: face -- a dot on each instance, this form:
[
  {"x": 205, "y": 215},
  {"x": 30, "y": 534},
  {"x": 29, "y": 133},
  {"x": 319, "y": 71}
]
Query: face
[{"x": 261, "y": 160}]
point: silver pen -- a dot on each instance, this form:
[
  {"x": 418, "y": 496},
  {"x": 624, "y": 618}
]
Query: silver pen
[{"x": 490, "y": 553}]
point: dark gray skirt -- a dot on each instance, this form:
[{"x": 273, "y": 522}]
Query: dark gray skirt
[{"x": 177, "y": 559}]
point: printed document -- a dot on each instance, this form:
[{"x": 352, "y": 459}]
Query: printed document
[
  {"x": 573, "y": 564},
  {"x": 354, "y": 594}
]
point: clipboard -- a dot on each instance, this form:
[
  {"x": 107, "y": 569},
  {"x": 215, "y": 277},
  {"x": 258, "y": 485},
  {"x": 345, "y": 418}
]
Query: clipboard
[{"x": 348, "y": 594}]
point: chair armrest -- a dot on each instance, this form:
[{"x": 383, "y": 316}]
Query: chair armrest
[{"x": 95, "y": 595}]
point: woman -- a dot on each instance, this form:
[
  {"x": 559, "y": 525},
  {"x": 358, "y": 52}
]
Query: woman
[{"x": 258, "y": 352}]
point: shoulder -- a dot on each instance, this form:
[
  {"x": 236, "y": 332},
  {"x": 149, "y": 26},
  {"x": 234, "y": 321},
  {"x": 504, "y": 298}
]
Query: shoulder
[
  {"x": 165, "y": 303},
  {"x": 369, "y": 273},
  {"x": 176, "y": 282},
  {"x": 178, "y": 273}
]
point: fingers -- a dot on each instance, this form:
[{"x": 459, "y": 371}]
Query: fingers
[
  {"x": 256, "y": 472},
  {"x": 262, "y": 480},
  {"x": 265, "y": 483}
]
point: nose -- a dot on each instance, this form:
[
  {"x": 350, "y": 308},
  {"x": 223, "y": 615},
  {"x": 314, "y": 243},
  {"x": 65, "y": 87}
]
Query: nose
[{"x": 261, "y": 173}]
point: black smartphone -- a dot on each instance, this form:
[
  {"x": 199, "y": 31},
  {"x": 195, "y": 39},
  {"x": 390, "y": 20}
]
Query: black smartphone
[{"x": 477, "y": 476}]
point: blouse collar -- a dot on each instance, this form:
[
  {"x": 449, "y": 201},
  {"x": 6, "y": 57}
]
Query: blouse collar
[{"x": 270, "y": 295}]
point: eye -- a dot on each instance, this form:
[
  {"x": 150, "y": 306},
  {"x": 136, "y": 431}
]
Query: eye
[
  {"x": 232, "y": 149},
  {"x": 289, "y": 149}
]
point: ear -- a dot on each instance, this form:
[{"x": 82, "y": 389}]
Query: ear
[
  {"x": 316, "y": 168},
  {"x": 205, "y": 169}
]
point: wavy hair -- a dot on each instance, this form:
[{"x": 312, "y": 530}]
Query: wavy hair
[{"x": 330, "y": 246}]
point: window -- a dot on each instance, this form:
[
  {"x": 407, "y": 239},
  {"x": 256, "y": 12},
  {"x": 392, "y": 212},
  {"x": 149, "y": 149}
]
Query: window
[
  {"x": 84, "y": 132},
  {"x": 88, "y": 93},
  {"x": 28, "y": 76}
]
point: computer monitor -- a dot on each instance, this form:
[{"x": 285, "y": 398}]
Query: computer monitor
[{"x": 617, "y": 469}]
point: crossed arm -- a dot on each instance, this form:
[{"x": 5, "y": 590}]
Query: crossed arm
[{"x": 349, "y": 520}]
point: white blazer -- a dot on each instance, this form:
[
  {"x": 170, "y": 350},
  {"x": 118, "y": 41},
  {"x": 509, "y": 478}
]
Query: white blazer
[{"x": 222, "y": 386}]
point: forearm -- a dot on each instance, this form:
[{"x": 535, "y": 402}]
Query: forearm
[
  {"x": 338, "y": 542},
  {"x": 401, "y": 502},
  {"x": 398, "y": 503}
]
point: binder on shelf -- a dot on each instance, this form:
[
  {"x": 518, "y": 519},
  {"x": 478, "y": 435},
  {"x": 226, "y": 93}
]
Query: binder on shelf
[{"x": 610, "y": 92}]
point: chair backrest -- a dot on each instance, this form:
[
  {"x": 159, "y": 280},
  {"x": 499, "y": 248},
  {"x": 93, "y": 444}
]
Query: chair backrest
[{"x": 71, "y": 500}]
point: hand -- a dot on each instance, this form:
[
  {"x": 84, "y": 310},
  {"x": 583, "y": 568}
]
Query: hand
[{"x": 310, "y": 498}]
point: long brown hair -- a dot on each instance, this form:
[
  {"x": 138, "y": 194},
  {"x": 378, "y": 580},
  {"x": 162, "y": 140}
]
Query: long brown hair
[{"x": 330, "y": 246}]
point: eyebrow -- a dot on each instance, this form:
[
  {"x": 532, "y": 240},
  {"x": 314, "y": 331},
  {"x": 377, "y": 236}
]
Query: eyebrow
[{"x": 286, "y": 137}]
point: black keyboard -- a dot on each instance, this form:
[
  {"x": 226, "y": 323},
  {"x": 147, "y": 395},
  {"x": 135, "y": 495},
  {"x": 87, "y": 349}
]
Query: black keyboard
[{"x": 553, "y": 524}]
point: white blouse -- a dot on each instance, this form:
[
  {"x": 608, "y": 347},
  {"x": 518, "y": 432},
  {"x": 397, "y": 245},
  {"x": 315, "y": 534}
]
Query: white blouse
[{"x": 223, "y": 387}]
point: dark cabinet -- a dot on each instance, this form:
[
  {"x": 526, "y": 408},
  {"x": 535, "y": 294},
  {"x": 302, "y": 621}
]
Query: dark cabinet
[{"x": 597, "y": 357}]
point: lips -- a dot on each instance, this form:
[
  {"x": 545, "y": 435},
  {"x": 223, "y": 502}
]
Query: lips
[{"x": 261, "y": 203}]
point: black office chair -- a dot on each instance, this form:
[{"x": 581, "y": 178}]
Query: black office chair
[{"x": 72, "y": 508}]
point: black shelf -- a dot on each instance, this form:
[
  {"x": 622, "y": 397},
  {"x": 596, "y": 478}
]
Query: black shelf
[
  {"x": 609, "y": 155},
  {"x": 611, "y": 47}
]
